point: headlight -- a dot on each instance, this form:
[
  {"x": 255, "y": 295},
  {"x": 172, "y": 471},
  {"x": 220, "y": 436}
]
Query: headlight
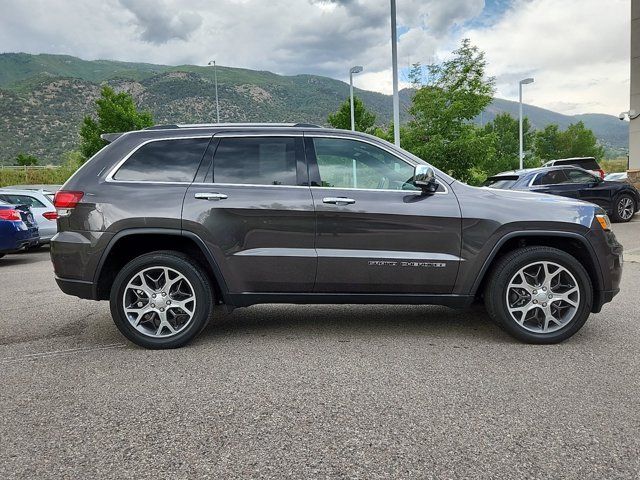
[{"x": 603, "y": 220}]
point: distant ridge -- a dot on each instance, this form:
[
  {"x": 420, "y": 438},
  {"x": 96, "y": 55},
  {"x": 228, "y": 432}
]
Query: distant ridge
[{"x": 43, "y": 99}]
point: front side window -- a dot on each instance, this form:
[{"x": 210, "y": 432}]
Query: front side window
[
  {"x": 164, "y": 161},
  {"x": 345, "y": 163},
  {"x": 578, "y": 176},
  {"x": 22, "y": 200},
  {"x": 553, "y": 177},
  {"x": 256, "y": 160}
]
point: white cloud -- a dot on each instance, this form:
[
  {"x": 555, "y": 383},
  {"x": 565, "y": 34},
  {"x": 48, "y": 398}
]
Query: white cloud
[{"x": 577, "y": 50}]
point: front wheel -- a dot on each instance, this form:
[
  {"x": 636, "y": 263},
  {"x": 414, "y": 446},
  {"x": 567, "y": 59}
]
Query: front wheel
[
  {"x": 539, "y": 294},
  {"x": 624, "y": 208},
  {"x": 161, "y": 300}
]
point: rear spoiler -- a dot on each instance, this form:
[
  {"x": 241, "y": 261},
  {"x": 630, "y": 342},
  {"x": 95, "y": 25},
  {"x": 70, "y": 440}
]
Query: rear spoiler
[{"x": 110, "y": 137}]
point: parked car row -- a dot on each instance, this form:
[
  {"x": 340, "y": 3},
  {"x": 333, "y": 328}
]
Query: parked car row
[
  {"x": 620, "y": 199},
  {"x": 28, "y": 218}
]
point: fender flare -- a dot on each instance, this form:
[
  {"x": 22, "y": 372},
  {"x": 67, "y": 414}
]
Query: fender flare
[
  {"x": 217, "y": 273},
  {"x": 536, "y": 233}
]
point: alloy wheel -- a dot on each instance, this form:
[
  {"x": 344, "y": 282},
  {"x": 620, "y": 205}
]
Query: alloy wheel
[
  {"x": 543, "y": 297},
  {"x": 625, "y": 208},
  {"x": 159, "y": 302}
]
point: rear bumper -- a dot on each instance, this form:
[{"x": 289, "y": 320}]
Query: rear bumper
[{"x": 77, "y": 288}]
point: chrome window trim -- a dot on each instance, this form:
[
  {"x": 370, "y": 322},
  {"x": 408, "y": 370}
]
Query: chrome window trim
[
  {"x": 381, "y": 147},
  {"x": 205, "y": 184},
  {"x": 446, "y": 190},
  {"x": 109, "y": 178},
  {"x": 261, "y": 134}
]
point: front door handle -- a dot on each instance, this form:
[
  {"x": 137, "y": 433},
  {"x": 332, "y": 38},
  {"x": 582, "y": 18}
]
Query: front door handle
[
  {"x": 210, "y": 196},
  {"x": 339, "y": 200}
]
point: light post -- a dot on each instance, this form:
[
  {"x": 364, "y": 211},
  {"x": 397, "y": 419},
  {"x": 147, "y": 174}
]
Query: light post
[
  {"x": 215, "y": 80},
  {"x": 522, "y": 82},
  {"x": 394, "y": 68},
  {"x": 352, "y": 70}
]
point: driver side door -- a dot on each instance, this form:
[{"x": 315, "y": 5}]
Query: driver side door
[{"x": 375, "y": 231}]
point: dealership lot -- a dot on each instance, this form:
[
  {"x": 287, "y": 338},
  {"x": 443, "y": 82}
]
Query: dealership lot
[{"x": 314, "y": 391}]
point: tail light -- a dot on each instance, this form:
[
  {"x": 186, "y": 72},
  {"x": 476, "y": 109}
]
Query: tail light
[
  {"x": 50, "y": 215},
  {"x": 11, "y": 214},
  {"x": 65, "y": 201},
  {"x": 601, "y": 173}
]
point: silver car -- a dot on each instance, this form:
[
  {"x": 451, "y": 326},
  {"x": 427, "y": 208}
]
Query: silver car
[{"x": 41, "y": 203}]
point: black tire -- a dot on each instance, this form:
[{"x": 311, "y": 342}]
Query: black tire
[
  {"x": 508, "y": 266},
  {"x": 182, "y": 264},
  {"x": 617, "y": 216}
]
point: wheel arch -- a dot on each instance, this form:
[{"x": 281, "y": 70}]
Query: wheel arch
[
  {"x": 130, "y": 243},
  {"x": 573, "y": 243}
]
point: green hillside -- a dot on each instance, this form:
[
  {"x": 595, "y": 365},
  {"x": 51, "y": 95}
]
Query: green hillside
[{"x": 43, "y": 99}]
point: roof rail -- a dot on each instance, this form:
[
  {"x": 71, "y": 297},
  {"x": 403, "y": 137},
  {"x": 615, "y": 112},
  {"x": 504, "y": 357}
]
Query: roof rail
[{"x": 208, "y": 125}]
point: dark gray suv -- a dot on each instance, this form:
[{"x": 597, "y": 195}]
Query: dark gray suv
[{"x": 171, "y": 221}]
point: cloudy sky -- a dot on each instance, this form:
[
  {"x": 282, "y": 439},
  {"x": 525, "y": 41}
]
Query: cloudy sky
[{"x": 577, "y": 50}]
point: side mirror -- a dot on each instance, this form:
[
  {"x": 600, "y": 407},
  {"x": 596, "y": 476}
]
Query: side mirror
[{"x": 424, "y": 177}]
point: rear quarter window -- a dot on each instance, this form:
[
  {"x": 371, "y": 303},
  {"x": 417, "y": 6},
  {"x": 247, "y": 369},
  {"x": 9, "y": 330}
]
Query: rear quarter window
[
  {"x": 174, "y": 160},
  {"x": 500, "y": 182}
]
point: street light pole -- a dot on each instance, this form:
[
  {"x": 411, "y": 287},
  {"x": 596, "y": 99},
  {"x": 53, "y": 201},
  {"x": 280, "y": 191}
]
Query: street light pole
[
  {"x": 215, "y": 80},
  {"x": 394, "y": 67},
  {"x": 352, "y": 70},
  {"x": 520, "y": 136}
]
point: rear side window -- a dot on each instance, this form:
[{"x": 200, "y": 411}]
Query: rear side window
[
  {"x": 503, "y": 182},
  {"x": 551, "y": 178},
  {"x": 256, "y": 160},
  {"x": 164, "y": 161},
  {"x": 586, "y": 163},
  {"x": 22, "y": 200}
]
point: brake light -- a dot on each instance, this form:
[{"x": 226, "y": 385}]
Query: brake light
[
  {"x": 50, "y": 215},
  {"x": 65, "y": 199},
  {"x": 601, "y": 173},
  {"x": 10, "y": 214}
]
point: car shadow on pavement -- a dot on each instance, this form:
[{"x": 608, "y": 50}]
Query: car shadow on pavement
[
  {"x": 356, "y": 321},
  {"x": 22, "y": 258}
]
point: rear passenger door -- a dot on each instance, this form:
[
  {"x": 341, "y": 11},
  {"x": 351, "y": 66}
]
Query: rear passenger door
[
  {"x": 554, "y": 182},
  {"x": 252, "y": 205}
]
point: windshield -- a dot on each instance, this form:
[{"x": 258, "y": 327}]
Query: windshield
[{"x": 504, "y": 183}]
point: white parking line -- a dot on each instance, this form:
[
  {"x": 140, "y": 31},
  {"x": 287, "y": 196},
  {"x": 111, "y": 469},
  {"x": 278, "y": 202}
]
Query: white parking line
[{"x": 56, "y": 353}]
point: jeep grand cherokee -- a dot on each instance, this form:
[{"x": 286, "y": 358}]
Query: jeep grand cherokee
[{"x": 168, "y": 222}]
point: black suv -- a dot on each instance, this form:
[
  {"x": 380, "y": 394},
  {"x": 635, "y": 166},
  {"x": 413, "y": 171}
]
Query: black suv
[{"x": 168, "y": 222}]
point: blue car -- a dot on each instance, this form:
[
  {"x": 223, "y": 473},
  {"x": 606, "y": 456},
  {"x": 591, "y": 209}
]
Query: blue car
[{"x": 18, "y": 228}]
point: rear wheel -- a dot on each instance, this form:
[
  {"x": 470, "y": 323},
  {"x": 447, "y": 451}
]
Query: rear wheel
[
  {"x": 539, "y": 294},
  {"x": 161, "y": 300},
  {"x": 624, "y": 208}
]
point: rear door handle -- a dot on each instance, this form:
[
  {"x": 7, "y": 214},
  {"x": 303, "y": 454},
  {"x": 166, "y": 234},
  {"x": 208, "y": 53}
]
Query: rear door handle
[
  {"x": 210, "y": 196},
  {"x": 339, "y": 200}
]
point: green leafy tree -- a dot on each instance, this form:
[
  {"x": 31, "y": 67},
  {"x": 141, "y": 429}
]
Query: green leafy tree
[
  {"x": 416, "y": 75},
  {"x": 441, "y": 130},
  {"x": 575, "y": 141},
  {"x": 579, "y": 141},
  {"x": 547, "y": 143},
  {"x": 506, "y": 134},
  {"x": 363, "y": 118},
  {"x": 25, "y": 160},
  {"x": 116, "y": 112}
]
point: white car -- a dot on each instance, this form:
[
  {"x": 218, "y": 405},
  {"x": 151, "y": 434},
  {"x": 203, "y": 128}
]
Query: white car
[{"x": 41, "y": 203}]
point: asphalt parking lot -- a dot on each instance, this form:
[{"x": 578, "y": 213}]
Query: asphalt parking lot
[{"x": 314, "y": 392}]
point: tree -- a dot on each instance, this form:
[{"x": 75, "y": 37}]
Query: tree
[
  {"x": 415, "y": 75},
  {"x": 441, "y": 130},
  {"x": 25, "y": 160},
  {"x": 116, "y": 112},
  {"x": 505, "y": 131},
  {"x": 364, "y": 119},
  {"x": 579, "y": 141},
  {"x": 575, "y": 141},
  {"x": 547, "y": 143}
]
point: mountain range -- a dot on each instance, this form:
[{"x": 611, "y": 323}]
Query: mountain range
[{"x": 43, "y": 99}]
